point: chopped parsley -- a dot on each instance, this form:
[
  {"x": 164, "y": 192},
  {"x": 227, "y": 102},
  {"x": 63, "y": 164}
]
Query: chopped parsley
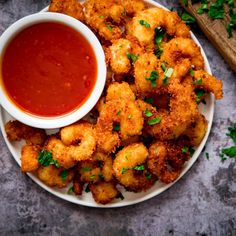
[
  {"x": 185, "y": 2},
  {"x": 116, "y": 127},
  {"x": 159, "y": 35},
  {"x": 207, "y": 155},
  {"x": 132, "y": 57},
  {"x": 70, "y": 190},
  {"x": 45, "y": 159},
  {"x": 148, "y": 113},
  {"x": 64, "y": 175},
  {"x": 163, "y": 66},
  {"x": 87, "y": 189},
  {"x": 230, "y": 152},
  {"x": 187, "y": 18},
  {"x": 197, "y": 82},
  {"x": 86, "y": 168},
  {"x": 191, "y": 150},
  {"x": 144, "y": 23},
  {"x": 191, "y": 72},
  {"x": 124, "y": 170},
  {"x": 120, "y": 195},
  {"x": 109, "y": 27},
  {"x": 149, "y": 100},
  {"x": 148, "y": 176},
  {"x": 199, "y": 94},
  {"x": 184, "y": 150},
  {"x": 141, "y": 167},
  {"x": 153, "y": 77},
  {"x": 232, "y": 133},
  {"x": 154, "y": 121}
]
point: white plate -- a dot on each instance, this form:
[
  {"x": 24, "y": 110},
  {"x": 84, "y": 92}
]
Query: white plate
[{"x": 130, "y": 198}]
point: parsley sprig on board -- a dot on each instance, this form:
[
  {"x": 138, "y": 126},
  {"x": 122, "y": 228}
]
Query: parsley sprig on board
[{"x": 218, "y": 9}]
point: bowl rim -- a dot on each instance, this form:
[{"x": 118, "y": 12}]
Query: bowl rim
[{"x": 77, "y": 114}]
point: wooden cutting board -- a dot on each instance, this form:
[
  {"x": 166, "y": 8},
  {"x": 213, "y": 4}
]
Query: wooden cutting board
[{"x": 216, "y": 33}]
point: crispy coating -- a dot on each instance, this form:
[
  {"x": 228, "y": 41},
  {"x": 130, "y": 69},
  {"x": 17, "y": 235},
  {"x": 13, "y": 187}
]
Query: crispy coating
[
  {"x": 77, "y": 185},
  {"x": 121, "y": 91},
  {"x": 69, "y": 7},
  {"x": 51, "y": 176},
  {"x": 144, "y": 67},
  {"x": 178, "y": 49},
  {"x": 166, "y": 160},
  {"x": 60, "y": 152},
  {"x": 119, "y": 53},
  {"x": 83, "y": 132},
  {"x": 209, "y": 83},
  {"x": 197, "y": 130},
  {"x": 174, "y": 122},
  {"x": 16, "y": 131},
  {"x": 104, "y": 192},
  {"x": 126, "y": 160},
  {"x": 156, "y": 17},
  {"x": 29, "y": 158}
]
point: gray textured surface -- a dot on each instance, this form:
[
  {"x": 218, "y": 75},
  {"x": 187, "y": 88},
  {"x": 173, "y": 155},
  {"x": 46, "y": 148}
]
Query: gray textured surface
[{"x": 201, "y": 203}]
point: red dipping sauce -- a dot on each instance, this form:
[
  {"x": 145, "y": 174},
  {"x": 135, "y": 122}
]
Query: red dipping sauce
[{"x": 49, "y": 69}]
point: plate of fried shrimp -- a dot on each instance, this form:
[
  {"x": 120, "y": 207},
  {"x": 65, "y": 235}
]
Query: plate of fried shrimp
[{"x": 151, "y": 122}]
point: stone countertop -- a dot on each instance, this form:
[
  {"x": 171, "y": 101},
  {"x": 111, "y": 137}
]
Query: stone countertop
[{"x": 203, "y": 202}]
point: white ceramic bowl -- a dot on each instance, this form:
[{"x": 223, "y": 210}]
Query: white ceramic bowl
[{"x": 54, "y": 122}]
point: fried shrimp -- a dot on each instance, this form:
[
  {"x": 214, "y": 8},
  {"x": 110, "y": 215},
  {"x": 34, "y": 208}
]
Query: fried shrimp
[
  {"x": 29, "y": 158},
  {"x": 83, "y": 133},
  {"x": 197, "y": 130},
  {"x": 104, "y": 192},
  {"x": 208, "y": 83},
  {"x": 121, "y": 91},
  {"x": 60, "y": 152},
  {"x": 143, "y": 25},
  {"x": 52, "y": 176},
  {"x": 129, "y": 168},
  {"x": 178, "y": 49},
  {"x": 69, "y": 7},
  {"x": 148, "y": 74},
  {"x": 174, "y": 122},
  {"x": 122, "y": 53},
  {"x": 16, "y": 131},
  {"x": 100, "y": 15},
  {"x": 166, "y": 160}
]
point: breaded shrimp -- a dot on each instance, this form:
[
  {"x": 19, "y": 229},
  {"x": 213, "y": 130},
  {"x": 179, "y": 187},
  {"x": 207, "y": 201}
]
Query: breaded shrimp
[
  {"x": 178, "y": 49},
  {"x": 69, "y": 7},
  {"x": 83, "y": 133},
  {"x": 126, "y": 169},
  {"x": 209, "y": 83},
  {"x": 122, "y": 53},
  {"x": 197, "y": 130},
  {"x": 148, "y": 74},
  {"x": 60, "y": 152},
  {"x": 121, "y": 91},
  {"x": 29, "y": 158},
  {"x": 166, "y": 160},
  {"x": 143, "y": 25},
  {"x": 183, "y": 111},
  {"x": 104, "y": 192},
  {"x": 16, "y": 131},
  {"x": 51, "y": 176}
]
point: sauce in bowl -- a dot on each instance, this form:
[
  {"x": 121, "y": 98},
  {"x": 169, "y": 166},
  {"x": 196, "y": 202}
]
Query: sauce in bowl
[{"x": 49, "y": 69}]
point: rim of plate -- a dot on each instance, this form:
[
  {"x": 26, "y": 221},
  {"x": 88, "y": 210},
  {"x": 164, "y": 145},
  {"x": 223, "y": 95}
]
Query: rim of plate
[{"x": 76, "y": 200}]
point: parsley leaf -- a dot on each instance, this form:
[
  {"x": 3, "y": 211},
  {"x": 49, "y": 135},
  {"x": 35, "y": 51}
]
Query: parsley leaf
[
  {"x": 87, "y": 190},
  {"x": 197, "y": 82},
  {"x": 149, "y": 100},
  {"x": 109, "y": 27},
  {"x": 207, "y": 155},
  {"x": 148, "y": 176},
  {"x": 232, "y": 133},
  {"x": 199, "y": 94},
  {"x": 64, "y": 175},
  {"x": 86, "y": 168},
  {"x": 132, "y": 57},
  {"x": 153, "y": 76},
  {"x": 159, "y": 35},
  {"x": 148, "y": 113},
  {"x": 120, "y": 195},
  {"x": 141, "y": 167},
  {"x": 123, "y": 170},
  {"x": 70, "y": 190},
  {"x": 116, "y": 127},
  {"x": 154, "y": 121},
  {"x": 230, "y": 152},
  {"x": 187, "y": 18},
  {"x": 45, "y": 159},
  {"x": 184, "y": 150},
  {"x": 185, "y": 2},
  {"x": 144, "y": 23}
]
